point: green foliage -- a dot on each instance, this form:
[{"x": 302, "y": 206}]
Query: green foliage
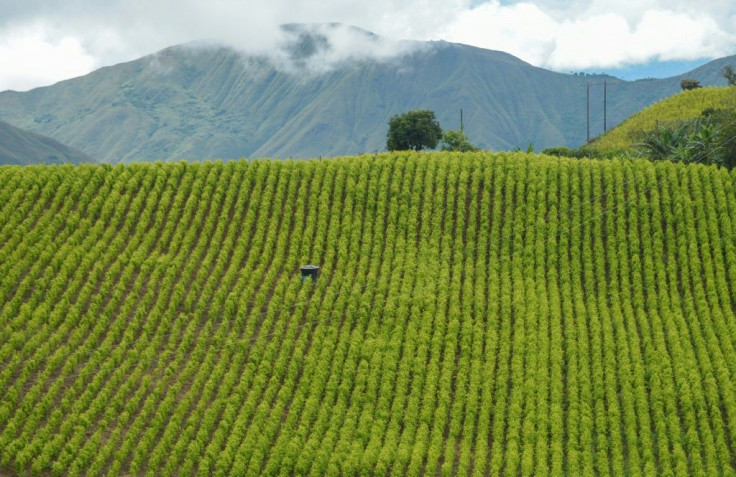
[
  {"x": 562, "y": 151},
  {"x": 457, "y": 141},
  {"x": 725, "y": 121},
  {"x": 688, "y": 84},
  {"x": 529, "y": 149},
  {"x": 683, "y": 106},
  {"x": 707, "y": 139},
  {"x": 729, "y": 74},
  {"x": 413, "y": 130},
  {"x": 476, "y": 314}
]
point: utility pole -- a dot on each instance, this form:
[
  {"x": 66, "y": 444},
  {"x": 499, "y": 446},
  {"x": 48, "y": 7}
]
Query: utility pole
[
  {"x": 462, "y": 127},
  {"x": 605, "y": 103},
  {"x": 587, "y": 112}
]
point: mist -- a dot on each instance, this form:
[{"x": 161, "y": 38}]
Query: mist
[
  {"x": 321, "y": 47},
  {"x": 43, "y": 41}
]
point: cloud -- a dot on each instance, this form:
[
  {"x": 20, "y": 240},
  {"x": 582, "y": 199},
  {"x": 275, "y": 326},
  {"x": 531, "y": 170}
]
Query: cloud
[
  {"x": 320, "y": 47},
  {"x": 559, "y": 34},
  {"x": 600, "y": 33},
  {"x": 658, "y": 35},
  {"x": 31, "y": 57},
  {"x": 112, "y": 31},
  {"x": 523, "y": 30}
]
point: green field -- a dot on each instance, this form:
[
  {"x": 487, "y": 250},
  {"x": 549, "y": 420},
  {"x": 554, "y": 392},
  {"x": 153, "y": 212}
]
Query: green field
[
  {"x": 475, "y": 314},
  {"x": 683, "y": 106}
]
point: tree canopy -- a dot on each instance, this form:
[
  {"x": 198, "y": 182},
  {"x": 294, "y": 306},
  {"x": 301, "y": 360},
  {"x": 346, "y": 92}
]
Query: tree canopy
[
  {"x": 413, "y": 130},
  {"x": 454, "y": 140},
  {"x": 729, "y": 74},
  {"x": 688, "y": 84}
]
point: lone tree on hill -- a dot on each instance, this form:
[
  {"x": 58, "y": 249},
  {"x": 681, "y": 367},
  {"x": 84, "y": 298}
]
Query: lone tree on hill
[{"x": 414, "y": 130}]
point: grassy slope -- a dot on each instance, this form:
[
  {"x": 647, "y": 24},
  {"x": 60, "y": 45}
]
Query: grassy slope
[
  {"x": 684, "y": 105},
  {"x": 484, "y": 313}
]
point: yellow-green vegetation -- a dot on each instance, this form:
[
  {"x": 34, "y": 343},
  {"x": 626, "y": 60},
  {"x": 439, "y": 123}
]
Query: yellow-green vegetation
[
  {"x": 685, "y": 105},
  {"x": 476, "y": 313}
]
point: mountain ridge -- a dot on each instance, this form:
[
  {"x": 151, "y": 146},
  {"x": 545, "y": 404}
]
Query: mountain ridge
[{"x": 206, "y": 102}]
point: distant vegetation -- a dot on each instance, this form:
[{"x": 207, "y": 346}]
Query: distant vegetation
[
  {"x": 419, "y": 129},
  {"x": 688, "y": 84},
  {"x": 729, "y": 74},
  {"x": 476, "y": 313}
]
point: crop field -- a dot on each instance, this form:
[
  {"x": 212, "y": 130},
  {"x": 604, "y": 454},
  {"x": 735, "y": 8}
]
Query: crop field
[{"x": 475, "y": 314}]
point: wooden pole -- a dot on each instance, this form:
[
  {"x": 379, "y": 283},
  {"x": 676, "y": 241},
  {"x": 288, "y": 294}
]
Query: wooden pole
[
  {"x": 587, "y": 112},
  {"x": 605, "y": 106}
]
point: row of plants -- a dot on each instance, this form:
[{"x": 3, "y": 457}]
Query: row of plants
[{"x": 475, "y": 313}]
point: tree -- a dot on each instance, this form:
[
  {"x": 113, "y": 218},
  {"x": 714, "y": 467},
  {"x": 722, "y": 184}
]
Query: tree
[
  {"x": 415, "y": 130},
  {"x": 453, "y": 140},
  {"x": 687, "y": 84},
  {"x": 729, "y": 74}
]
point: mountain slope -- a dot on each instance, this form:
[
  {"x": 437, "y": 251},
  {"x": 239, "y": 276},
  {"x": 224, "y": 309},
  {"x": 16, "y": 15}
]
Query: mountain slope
[
  {"x": 22, "y": 147},
  {"x": 205, "y": 101}
]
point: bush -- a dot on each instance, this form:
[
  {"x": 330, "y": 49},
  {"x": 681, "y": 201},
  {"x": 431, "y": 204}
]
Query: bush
[
  {"x": 707, "y": 139},
  {"x": 457, "y": 141},
  {"x": 729, "y": 74},
  {"x": 562, "y": 151},
  {"x": 688, "y": 84}
]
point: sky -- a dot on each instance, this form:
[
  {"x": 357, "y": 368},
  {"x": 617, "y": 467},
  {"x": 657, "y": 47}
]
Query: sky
[{"x": 45, "y": 41}]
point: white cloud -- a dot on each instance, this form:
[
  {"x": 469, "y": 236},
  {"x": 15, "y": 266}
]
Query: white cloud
[
  {"x": 335, "y": 44},
  {"x": 601, "y": 34},
  {"x": 659, "y": 35},
  {"x": 523, "y": 30},
  {"x": 112, "y": 31},
  {"x": 30, "y": 58},
  {"x": 561, "y": 34}
]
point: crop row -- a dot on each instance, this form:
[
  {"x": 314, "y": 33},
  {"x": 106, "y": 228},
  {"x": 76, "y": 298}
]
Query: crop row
[{"x": 475, "y": 314}]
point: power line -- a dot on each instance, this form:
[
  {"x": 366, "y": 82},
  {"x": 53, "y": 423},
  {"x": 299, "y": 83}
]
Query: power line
[{"x": 605, "y": 85}]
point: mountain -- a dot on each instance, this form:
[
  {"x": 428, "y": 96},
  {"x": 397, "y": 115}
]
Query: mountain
[
  {"x": 21, "y": 147},
  {"x": 316, "y": 96}
]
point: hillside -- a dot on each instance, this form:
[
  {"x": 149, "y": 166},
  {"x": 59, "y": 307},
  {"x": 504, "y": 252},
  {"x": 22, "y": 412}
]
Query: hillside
[
  {"x": 481, "y": 313},
  {"x": 201, "y": 101},
  {"x": 21, "y": 147},
  {"x": 679, "y": 107}
]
